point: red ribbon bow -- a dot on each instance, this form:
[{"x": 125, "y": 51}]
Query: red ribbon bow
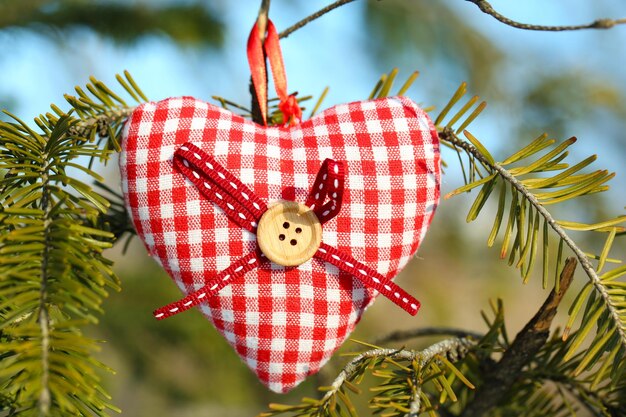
[
  {"x": 256, "y": 58},
  {"x": 245, "y": 209}
]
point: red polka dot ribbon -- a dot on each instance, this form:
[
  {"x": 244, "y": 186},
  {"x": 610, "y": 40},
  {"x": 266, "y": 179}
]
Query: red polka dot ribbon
[{"x": 245, "y": 209}]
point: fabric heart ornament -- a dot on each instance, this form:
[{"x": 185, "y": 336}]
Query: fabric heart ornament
[{"x": 284, "y": 321}]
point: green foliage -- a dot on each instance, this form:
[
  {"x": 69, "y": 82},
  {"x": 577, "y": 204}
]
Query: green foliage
[
  {"x": 53, "y": 275},
  {"x": 192, "y": 24},
  {"x": 548, "y": 385},
  {"x": 537, "y": 177}
]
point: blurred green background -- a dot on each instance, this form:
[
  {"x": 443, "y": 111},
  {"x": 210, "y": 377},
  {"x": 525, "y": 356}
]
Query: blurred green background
[{"x": 563, "y": 83}]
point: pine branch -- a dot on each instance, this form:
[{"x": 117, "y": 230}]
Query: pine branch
[
  {"x": 53, "y": 275},
  {"x": 43, "y": 319},
  {"x": 601, "y": 300},
  {"x": 448, "y": 135},
  {"x": 262, "y": 18},
  {"x": 525, "y": 346},
  {"x": 422, "y": 367},
  {"x": 101, "y": 122},
  {"x": 455, "y": 348},
  {"x": 547, "y": 385}
]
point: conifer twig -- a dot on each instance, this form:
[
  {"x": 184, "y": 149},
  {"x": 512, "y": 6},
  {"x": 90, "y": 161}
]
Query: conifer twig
[
  {"x": 448, "y": 135},
  {"x": 55, "y": 285},
  {"x": 500, "y": 378},
  {"x": 455, "y": 349},
  {"x": 44, "y": 316},
  {"x": 102, "y": 120},
  {"x": 487, "y": 8}
]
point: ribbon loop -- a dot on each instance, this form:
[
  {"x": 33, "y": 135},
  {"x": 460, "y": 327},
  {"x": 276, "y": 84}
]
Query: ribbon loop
[
  {"x": 292, "y": 113},
  {"x": 328, "y": 184},
  {"x": 257, "y": 50}
]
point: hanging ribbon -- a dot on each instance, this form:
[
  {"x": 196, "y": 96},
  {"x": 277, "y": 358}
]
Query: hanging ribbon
[
  {"x": 328, "y": 183},
  {"x": 257, "y": 50},
  {"x": 245, "y": 209}
]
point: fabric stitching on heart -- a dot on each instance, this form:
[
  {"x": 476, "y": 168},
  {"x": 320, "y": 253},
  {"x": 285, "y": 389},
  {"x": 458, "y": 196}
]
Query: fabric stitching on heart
[{"x": 228, "y": 192}]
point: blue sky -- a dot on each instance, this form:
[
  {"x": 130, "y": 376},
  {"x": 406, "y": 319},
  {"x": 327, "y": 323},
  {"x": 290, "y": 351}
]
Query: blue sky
[{"x": 332, "y": 51}]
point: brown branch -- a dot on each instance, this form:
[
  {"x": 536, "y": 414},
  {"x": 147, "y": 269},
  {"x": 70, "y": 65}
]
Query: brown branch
[
  {"x": 312, "y": 17},
  {"x": 487, "y": 8},
  {"x": 402, "y": 335},
  {"x": 533, "y": 336},
  {"x": 264, "y": 11},
  {"x": 453, "y": 349}
]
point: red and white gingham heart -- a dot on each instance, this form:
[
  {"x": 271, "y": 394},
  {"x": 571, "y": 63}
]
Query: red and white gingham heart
[{"x": 284, "y": 322}]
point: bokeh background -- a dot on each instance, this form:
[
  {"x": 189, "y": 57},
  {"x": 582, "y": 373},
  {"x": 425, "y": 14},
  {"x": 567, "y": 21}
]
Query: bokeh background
[{"x": 566, "y": 84}]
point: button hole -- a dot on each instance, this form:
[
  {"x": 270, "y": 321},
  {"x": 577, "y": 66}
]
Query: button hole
[
  {"x": 293, "y": 242},
  {"x": 281, "y": 237},
  {"x": 298, "y": 230},
  {"x": 286, "y": 225}
]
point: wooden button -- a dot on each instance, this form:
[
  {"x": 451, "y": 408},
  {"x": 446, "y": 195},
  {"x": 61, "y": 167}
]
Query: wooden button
[{"x": 289, "y": 233}]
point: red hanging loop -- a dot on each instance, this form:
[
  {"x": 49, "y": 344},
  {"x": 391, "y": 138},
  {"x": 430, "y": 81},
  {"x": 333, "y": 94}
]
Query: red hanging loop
[{"x": 256, "y": 58}]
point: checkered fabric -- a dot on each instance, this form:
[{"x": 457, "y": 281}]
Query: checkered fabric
[{"x": 285, "y": 323}]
